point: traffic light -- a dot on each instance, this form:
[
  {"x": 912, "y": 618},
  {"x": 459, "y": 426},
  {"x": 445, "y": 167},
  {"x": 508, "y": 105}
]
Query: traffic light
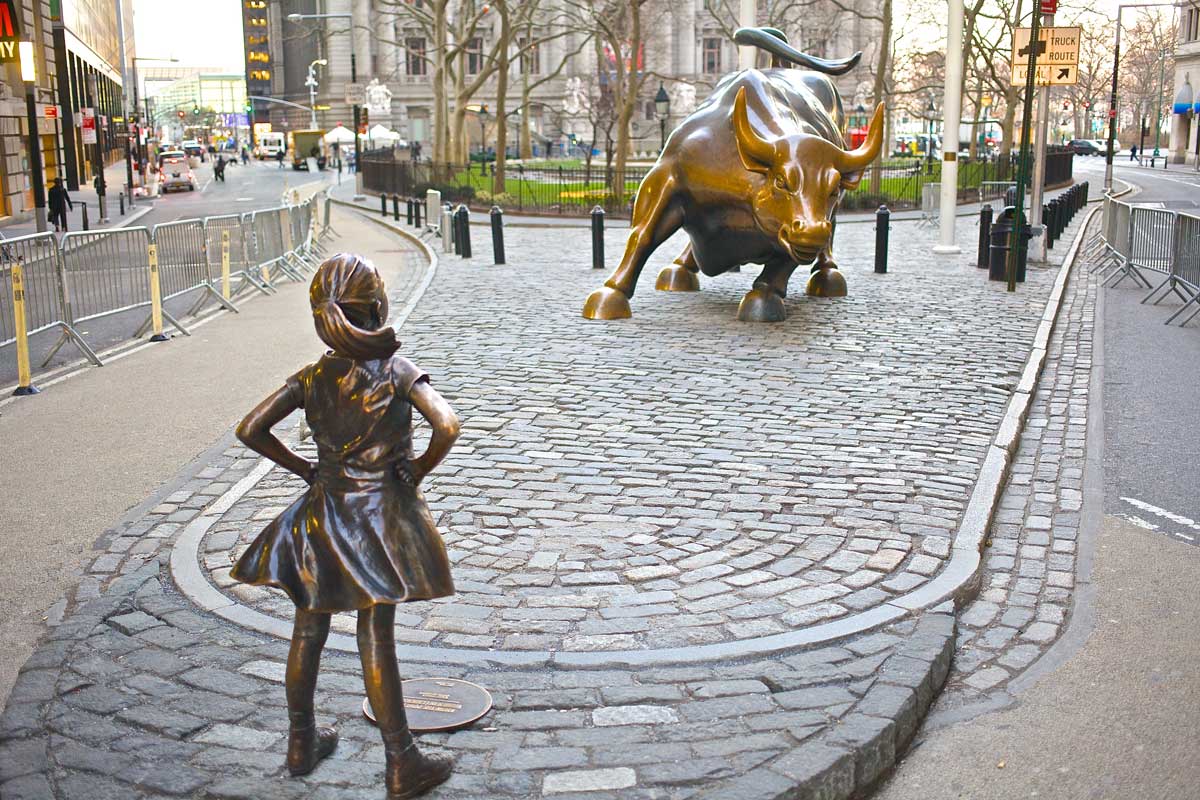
[
  {"x": 196, "y": 111},
  {"x": 179, "y": 114}
]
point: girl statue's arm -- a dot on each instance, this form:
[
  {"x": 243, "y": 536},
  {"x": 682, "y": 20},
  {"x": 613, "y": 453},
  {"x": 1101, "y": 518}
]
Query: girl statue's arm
[
  {"x": 255, "y": 433},
  {"x": 443, "y": 422}
]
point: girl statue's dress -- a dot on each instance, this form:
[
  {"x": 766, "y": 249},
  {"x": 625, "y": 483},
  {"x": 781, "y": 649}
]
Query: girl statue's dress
[
  {"x": 361, "y": 537},
  {"x": 361, "y": 534}
]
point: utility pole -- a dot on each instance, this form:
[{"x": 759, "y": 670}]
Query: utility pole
[
  {"x": 1037, "y": 188},
  {"x": 63, "y": 77},
  {"x": 951, "y": 118},
  {"x": 126, "y": 111},
  {"x": 98, "y": 159},
  {"x": 358, "y": 195},
  {"x": 1016, "y": 240}
]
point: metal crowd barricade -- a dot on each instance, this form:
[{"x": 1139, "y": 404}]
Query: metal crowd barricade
[
  {"x": 931, "y": 200},
  {"x": 241, "y": 268},
  {"x": 107, "y": 272},
  {"x": 270, "y": 254},
  {"x": 990, "y": 190},
  {"x": 1185, "y": 266},
  {"x": 46, "y": 301},
  {"x": 183, "y": 261},
  {"x": 1151, "y": 242},
  {"x": 1118, "y": 251}
]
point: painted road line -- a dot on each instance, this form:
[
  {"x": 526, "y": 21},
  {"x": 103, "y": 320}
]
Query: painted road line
[{"x": 1178, "y": 519}]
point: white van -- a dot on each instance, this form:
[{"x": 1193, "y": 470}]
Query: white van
[
  {"x": 270, "y": 145},
  {"x": 174, "y": 172}
]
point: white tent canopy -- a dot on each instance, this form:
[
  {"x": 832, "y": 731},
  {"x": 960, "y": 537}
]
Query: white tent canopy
[
  {"x": 381, "y": 133},
  {"x": 340, "y": 134}
]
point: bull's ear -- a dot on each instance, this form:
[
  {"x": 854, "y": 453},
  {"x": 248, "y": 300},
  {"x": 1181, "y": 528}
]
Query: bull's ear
[
  {"x": 757, "y": 153},
  {"x": 850, "y": 180}
]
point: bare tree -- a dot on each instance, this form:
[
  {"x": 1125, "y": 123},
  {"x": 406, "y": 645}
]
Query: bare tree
[{"x": 1147, "y": 62}]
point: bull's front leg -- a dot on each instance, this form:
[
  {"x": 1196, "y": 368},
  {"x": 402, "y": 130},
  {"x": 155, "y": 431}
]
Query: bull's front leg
[
  {"x": 681, "y": 276},
  {"x": 655, "y": 218},
  {"x": 764, "y": 303},
  {"x": 826, "y": 279}
]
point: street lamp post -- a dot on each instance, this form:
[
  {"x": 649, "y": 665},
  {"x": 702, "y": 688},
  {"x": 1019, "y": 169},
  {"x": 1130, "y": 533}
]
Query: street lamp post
[
  {"x": 353, "y": 80},
  {"x": 29, "y": 76},
  {"x": 483, "y": 118},
  {"x": 311, "y": 83},
  {"x": 662, "y": 110},
  {"x": 1112, "y": 101}
]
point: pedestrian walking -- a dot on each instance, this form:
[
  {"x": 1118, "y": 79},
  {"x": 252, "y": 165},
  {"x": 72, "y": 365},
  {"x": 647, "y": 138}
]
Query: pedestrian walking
[
  {"x": 361, "y": 537},
  {"x": 1133, "y": 151},
  {"x": 60, "y": 202},
  {"x": 219, "y": 168},
  {"x": 279, "y": 157},
  {"x": 245, "y": 156}
]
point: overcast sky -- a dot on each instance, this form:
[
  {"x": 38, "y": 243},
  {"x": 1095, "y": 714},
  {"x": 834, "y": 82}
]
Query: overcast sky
[{"x": 205, "y": 34}]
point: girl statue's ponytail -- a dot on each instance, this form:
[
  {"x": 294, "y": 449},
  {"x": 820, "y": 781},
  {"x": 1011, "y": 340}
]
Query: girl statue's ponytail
[{"x": 349, "y": 308}]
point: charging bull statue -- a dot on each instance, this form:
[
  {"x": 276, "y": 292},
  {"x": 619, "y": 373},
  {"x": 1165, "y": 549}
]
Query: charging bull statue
[{"x": 754, "y": 175}]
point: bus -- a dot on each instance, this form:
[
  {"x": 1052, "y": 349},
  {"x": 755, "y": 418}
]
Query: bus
[{"x": 270, "y": 144}]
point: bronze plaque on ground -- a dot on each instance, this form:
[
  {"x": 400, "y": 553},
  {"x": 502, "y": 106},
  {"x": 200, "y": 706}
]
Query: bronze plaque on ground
[{"x": 440, "y": 704}]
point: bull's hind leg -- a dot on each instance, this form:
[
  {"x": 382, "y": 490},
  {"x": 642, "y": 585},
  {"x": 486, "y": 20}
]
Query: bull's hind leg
[
  {"x": 826, "y": 280},
  {"x": 654, "y": 220},
  {"x": 764, "y": 303},
  {"x": 682, "y": 276}
]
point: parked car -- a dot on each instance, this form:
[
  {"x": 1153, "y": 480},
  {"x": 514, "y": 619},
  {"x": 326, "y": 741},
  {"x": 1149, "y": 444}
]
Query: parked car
[
  {"x": 174, "y": 172},
  {"x": 1086, "y": 147}
]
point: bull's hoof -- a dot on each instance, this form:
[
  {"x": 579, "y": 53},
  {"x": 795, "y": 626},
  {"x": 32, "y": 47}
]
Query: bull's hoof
[
  {"x": 761, "y": 305},
  {"x": 826, "y": 283},
  {"x": 676, "y": 278},
  {"x": 607, "y": 303}
]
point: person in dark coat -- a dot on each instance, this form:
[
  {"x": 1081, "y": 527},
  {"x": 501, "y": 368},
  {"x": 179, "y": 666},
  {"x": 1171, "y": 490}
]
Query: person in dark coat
[
  {"x": 361, "y": 538},
  {"x": 59, "y": 202}
]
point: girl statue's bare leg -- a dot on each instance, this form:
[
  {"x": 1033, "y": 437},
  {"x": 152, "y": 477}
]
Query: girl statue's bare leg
[
  {"x": 307, "y": 744},
  {"x": 409, "y": 772}
]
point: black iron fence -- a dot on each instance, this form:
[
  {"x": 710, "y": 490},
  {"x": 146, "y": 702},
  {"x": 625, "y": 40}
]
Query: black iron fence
[{"x": 576, "y": 190}]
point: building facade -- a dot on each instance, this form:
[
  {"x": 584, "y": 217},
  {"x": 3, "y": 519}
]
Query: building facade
[
  {"x": 686, "y": 43},
  {"x": 1185, "y": 141},
  {"x": 78, "y": 61},
  {"x": 201, "y": 106}
]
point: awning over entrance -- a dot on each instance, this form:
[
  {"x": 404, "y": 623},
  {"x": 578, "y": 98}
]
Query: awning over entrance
[{"x": 1183, "y": 99}]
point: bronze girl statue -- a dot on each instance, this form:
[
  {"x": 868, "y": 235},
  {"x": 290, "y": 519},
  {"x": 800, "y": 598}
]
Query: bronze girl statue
[{"x": 361, "y": 537}]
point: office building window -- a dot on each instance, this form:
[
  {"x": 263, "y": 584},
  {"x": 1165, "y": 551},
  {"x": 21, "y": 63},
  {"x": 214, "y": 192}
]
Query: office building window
[
  {"x": 474, "y": 55},
  {"x": 531, "y": 58},
  {"x": 414, "y": 57},
  {"x": 711, "y": 55}
]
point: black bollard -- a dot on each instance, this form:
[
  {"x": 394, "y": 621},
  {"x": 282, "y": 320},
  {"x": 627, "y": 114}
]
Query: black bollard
[
  {"x": 408, "y": 210},
  {"x": 417, "y": 209},
  {"x": 464, "y": 229},
  {"x": 882, "y": 226},
  {"x": 1010, "y": 196},
  {"x": 396, "y": 207},
  {"x": 985, "y": 235},
  {"x": 497, "y": 235},
  {"x": 456, "y": 229},
  {"x": 597, "y": 238},
  {"x": 85, "y": 217},
  {"x": 121, "y": 202},
  {"x": 383, "y": 204}
]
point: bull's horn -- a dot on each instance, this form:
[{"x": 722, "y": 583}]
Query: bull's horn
[
  {"x": 757, "y": 153},
  {"x": 858, "y": 159}
]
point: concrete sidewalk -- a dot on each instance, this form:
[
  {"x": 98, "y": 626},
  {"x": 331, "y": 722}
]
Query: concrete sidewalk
[{"x": 114, "y": 176}]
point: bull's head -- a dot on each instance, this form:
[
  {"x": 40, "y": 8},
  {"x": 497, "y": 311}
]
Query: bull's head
[{"x": 805, "y": 176}]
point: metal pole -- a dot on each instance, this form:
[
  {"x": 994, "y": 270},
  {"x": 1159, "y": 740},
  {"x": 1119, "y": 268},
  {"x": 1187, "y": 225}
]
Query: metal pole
[
  {"x": 1112, "y": 108},
  {"x": 126, "y": 114},
  {"x": 1162, "y": 63},
  {"x": 951, "y": 119},
  {"x": 358, "y": 195},
  {"x": 1037, "y": 188},
  {"x": 1016, "y": 240},
  {"x": 35, "y": 160},
  {"x": 94, "y": 90}
]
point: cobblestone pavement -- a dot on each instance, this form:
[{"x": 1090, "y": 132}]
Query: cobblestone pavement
[
  {"x": 825, "y": 461},
  {"x": 1030, "y": 562}
]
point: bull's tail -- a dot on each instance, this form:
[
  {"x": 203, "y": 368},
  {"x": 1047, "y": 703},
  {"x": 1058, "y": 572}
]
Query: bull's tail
[{"x": 775, "y": 43}]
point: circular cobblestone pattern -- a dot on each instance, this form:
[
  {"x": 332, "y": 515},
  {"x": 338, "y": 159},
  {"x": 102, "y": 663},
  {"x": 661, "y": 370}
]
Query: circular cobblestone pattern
[{"x": 681, "y": 478}]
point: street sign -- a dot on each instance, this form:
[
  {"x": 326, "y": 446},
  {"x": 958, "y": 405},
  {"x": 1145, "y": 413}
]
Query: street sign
[
  {"x": 1055, "y": 46},
  {"x": 356, "y": 94},
  {"x": 1049, "y": 7},
  {"x": 87, "y": 125},
  {"x": 49, "y": 111},
  {"x": 1057, "y": 56},
  {"x": 1046, "y": 75}
]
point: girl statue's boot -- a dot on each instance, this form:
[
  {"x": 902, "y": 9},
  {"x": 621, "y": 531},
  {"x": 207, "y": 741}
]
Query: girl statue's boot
[
  {"x": 307, "y": 743},
  {"x": 411, "y": 773}
]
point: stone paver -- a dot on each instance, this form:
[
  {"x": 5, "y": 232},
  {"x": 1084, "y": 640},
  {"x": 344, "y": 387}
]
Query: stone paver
[
  {"x": 1029, "y": 565},
  {"x": 830, "y": 481}
]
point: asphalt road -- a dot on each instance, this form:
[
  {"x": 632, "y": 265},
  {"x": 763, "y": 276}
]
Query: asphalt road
[
  {"x": 1152, "y": 385},
  {"x": 246, "y": 188}
]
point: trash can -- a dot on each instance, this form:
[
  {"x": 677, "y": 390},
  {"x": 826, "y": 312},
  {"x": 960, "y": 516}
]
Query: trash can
[{"x": 1002, "y": 228}]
